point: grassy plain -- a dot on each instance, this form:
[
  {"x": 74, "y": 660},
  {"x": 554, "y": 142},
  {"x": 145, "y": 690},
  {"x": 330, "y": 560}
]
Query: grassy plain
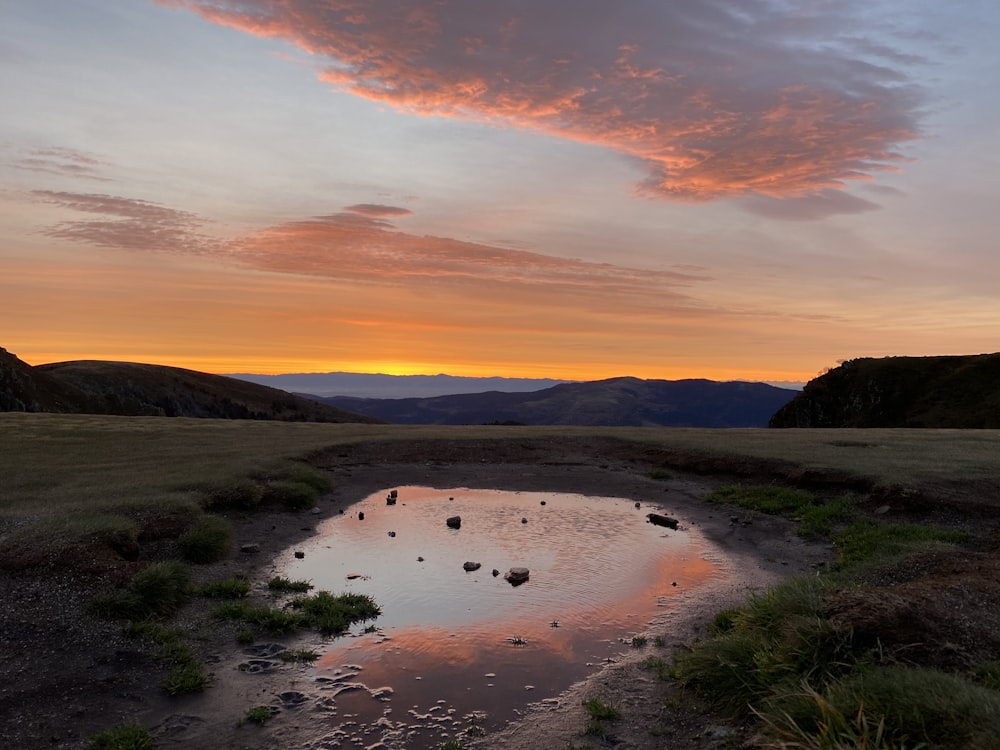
[
  {"x": 65, "y": 477},
  {"x": 53, "y": 464}
]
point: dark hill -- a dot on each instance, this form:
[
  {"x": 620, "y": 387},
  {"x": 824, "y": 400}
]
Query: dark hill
[
  {"x": 940, "y": 392},
  {"x": 129, "y": 389},
  {"x": 618, "y": 401}
]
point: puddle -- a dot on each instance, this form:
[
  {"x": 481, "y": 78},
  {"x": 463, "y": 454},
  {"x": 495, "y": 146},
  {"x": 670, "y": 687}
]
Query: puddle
[{"x": 455, "y": 649}]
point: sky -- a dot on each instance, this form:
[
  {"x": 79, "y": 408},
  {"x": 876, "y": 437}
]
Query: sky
[{"x": 574, "y": 189}]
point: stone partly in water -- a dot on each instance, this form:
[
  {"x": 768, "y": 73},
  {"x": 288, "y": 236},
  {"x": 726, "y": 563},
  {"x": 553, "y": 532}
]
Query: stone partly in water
[
  {"x": 657, "y": 520},
  {"x": 516, "y": 576},
  {"x": 470, "y": 566},
  {"x": 455, "y": 522}
]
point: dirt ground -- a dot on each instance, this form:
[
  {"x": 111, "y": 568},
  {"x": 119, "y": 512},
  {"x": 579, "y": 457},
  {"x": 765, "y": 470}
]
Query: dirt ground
[{"x": 64, "y": 675}]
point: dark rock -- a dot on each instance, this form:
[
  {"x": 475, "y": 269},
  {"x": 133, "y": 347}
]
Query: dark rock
[
  {"x": 516, "y": 576},
  {"x": 455, "y": 522},
  {"x": 524, "y": 520},
  {"x": 249, "y": 549},
  {"x": 657, "y": 520},
  {"x": 299, "y": 555},
  {"x": 392, "y": 533},
  {"x": 495, "y": 572},
  {"x": 543, "y": 502},
  {"x": 361, "y": 516},
  {"x": 470, "y": 566}
]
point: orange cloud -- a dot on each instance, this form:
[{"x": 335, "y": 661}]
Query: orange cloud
[{"x": 714, "y": 99}]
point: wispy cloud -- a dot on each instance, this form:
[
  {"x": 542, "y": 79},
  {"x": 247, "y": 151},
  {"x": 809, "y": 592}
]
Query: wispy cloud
[
  {"x": 128, "y": 224},
  {"x": 378, "y": 211},
  {"x": 714, "y": 99},
  {"x": 358, "y": 249},
  {"x": 64, "y": 162}
]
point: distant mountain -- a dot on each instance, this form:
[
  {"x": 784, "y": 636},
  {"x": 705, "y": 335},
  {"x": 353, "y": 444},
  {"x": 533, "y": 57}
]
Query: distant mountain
[
  {"x": 130, "y": 389},
  {"x": 361, "y": 385},
  {"x": 942, "y": 392},
  {"x": 618, "y": 401}
]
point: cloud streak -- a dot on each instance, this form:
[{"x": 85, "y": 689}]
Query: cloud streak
[
  {"x": 714, "y": 99},
  {"x": 127, "y": 224},
  {"x": 354, "y": 248},
  {"x": 64, "y": 162}
]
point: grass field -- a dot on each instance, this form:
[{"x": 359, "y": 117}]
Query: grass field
[{"x": 51, "y": 465}]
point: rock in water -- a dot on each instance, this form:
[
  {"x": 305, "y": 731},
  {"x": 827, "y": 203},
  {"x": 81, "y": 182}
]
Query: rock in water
[
  {"x": 455, "y": 522},
  {"x": 657, "y": 520},
  {"x": 516, "y": 576},
  {"x": 470, "y": 566}
]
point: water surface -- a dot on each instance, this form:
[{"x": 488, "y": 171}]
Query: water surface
[{"x": 454, "y": 648}]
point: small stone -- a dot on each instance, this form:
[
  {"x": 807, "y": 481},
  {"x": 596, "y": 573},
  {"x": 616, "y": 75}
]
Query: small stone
[
  {"x": 420, "y": 559},
  {"x": 638, "y": 505},
  {"x": 470, "y": 566},
  {"x": 315, "y": 511},
  {"x": 495, "y": 572},
  {"x": 250, "y": 548},
  {"x": 455, "y": 522},
  {"x": 299, "y": 554},
  {"x": 524, "y": 520},
  {"x": 882, "y": 510},
  {"x": 543, "y": 502},
  {"x": 392, "y": 533},
  {"x": 361, "y": 516},
  {"x": 516, "y": 576}
]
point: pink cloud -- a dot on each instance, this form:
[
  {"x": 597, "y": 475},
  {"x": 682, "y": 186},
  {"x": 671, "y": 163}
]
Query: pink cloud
[
  {"x": 127, "y": 224},
  {"x": 714, "y": 99}
]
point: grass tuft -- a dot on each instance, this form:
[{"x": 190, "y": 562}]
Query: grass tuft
[
  {"x": 207, "y": 540},
  {"x": 237, "y": 587},
  {"x": 127, "y": 736},
  {"x": 282, "y": 585},
  {"x": 258, "y": 715},
  {"x": 155, "y": 592}
]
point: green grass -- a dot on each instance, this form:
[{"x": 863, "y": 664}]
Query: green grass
[
  {"x": 127, "y": 736},
  {"x": 236, "y": 587},
  {"x": 282, "y": 585},
  {"x": 155, "y": 592},
  {"x": 890, "y": 706},
  {"x": 865, "y": 540},
  {"x": 661, "y": 475},
  {"x": 598, "y": 709},
  {"x": 258, "y": 715},
  {"x": 815, "y": 517},
  {"x": 187, "y": 674},
  {"x": 329, "y": 614},
  {"x": 299, "y": 655},
  {"x": 66, "y": 475},
  {"x": 207, "y": 540}
]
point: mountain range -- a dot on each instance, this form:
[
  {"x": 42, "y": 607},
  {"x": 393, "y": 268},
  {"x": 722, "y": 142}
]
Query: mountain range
[
  {"x": 131, "y": 389},
  {"x": 617, "y": 401}
]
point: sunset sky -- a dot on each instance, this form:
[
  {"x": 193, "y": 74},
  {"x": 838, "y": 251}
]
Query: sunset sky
[{"x": 577, "y": 189}]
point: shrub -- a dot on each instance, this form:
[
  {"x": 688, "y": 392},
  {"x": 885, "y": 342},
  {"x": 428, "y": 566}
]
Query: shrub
[
  {"x": 127, "y": 736},
  {"x": 207, "y": 540}
]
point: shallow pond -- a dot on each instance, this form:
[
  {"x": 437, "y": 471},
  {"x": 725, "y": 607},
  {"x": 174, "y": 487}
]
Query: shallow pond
[{"x": 455, "y": 648}]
